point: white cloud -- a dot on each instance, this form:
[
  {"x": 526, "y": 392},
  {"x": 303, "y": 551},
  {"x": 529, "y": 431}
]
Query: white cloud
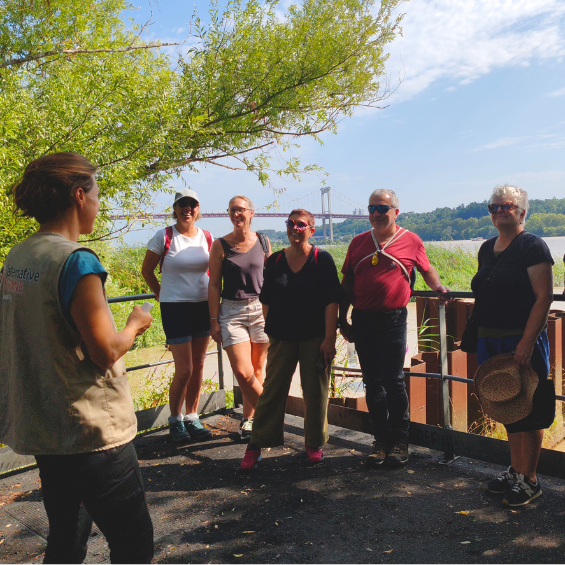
[
  {"x": 530, "y": 142},
  {"x": 462, "y": 40},
  {"x": 502, "y": 142},
  {"x": 555, "y": 93}
]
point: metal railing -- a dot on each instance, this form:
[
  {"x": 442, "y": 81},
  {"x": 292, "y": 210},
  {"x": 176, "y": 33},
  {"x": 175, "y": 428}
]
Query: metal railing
[
  {"x": 443, "y": 375},
  {"x": 218, "y": 352}
]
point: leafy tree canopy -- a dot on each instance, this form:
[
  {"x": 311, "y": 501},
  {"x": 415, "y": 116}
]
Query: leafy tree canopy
[{"x": 76, "y": 77}]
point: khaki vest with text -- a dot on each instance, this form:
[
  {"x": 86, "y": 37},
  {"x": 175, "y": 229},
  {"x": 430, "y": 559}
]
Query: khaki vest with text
[{"x": 53, "y": 398}]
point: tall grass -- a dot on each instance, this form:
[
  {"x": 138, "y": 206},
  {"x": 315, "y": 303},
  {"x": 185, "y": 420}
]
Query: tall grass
[
  {"x": 456, "y": 267},
  {"x": 123, "y": 265}
]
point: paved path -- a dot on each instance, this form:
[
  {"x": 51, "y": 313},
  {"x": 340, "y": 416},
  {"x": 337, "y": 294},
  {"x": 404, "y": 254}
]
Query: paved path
[{"x": 204, "y": 510}]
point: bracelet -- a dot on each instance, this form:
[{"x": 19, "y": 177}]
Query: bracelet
[{"x": 213, "y": 318}]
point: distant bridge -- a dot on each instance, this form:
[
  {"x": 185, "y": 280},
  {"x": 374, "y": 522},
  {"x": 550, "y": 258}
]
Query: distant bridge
[{"x": 346, "y": 208}]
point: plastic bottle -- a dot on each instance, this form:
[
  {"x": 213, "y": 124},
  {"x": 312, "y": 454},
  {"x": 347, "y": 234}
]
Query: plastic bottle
[{"x": 351, "y": 355}]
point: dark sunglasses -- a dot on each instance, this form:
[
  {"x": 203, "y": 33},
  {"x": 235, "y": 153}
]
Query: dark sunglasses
[
  {"x": 380, "y": 208},
  {"x": 505, "y": 207},
  {"x": 187, "y": 202},
  {"x": 299, "y": 226}
]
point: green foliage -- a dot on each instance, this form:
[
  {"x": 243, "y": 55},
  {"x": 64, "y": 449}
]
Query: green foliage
[
  {"x": 154, "y": 390},
  {"x": 456, "y": 267},
  {"x": 123, "y": 265},
  {"x": 75, "y": 77},
  {"x": 106, "y": 105},
  {"x": 546, "y": 218}
]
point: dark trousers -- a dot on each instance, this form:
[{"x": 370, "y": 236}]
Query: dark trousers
[
  {"x": 380, "y": 341},
  {"x": 105, "y": 487}
]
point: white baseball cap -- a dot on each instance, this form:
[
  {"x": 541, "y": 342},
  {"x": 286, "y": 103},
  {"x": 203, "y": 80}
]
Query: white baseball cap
[{"x": 186, "y": 193}]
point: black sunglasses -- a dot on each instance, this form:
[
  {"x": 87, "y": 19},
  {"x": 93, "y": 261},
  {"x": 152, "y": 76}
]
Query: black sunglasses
[
  {"x": 505, "y": 207},
  {"x": 380, "y": 208},
  {"x": 187, "y": 202}
]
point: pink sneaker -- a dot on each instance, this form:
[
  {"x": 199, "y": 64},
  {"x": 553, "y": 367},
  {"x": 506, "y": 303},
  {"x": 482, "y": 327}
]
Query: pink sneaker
[
  {"x": 315, "y": 455},
  {"x": 251, "y": 458}
]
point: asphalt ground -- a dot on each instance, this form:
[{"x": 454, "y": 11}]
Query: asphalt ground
[{"x": 205, "y": 511}]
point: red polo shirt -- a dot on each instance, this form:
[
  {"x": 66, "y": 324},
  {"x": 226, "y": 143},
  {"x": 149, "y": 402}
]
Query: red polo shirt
[{"x": 383, "y": 286}]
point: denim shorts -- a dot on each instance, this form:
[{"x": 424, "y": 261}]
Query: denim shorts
[
  {"x": 184, "y": 320},
  {"x": 543, "y": 403},
  {"x": 242, "y": 320}
]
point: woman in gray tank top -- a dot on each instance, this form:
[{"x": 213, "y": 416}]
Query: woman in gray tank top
[{"x": 237, "y": 261}]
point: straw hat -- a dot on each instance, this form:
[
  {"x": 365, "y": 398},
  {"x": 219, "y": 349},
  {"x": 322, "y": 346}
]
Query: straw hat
[{"x": 505, "y": 389}]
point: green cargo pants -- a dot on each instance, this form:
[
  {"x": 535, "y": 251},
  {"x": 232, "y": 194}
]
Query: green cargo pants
[{"x": 282, "y": 357}]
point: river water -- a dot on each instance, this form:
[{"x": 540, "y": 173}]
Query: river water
[{"x": 556, "y": 245}]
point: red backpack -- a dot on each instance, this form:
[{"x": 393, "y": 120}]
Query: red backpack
[{"x": 169, "y": 238}]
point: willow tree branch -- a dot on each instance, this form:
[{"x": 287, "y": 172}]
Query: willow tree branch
[{"x": 17, "y": 61}]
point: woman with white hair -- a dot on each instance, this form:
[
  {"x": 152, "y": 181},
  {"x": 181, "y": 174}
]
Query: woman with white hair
[
  {"x": 514, "y": 288},
  {"x": 237, "y": 261}
]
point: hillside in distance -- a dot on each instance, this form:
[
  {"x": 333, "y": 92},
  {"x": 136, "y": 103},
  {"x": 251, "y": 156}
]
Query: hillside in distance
[{"x": 546, "y": 218}]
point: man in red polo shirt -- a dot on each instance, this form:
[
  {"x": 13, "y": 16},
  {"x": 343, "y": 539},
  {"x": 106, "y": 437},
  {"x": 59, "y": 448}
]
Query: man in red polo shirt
[{"x": 376, "y": 279}]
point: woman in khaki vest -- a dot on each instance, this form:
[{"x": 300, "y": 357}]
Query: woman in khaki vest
[{"x": 65, "y": 396}]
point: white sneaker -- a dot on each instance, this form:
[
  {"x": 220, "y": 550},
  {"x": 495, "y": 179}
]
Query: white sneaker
[{"x": 245, "y": 429}]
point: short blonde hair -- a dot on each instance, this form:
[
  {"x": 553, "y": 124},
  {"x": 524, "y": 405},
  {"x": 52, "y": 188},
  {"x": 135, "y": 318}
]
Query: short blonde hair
[
  {"x": 512, "y": 194},
  {"x": 248, "y": 202}
]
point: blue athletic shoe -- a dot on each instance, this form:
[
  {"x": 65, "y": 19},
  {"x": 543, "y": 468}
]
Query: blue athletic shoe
[
  {"x": 178, "y": 433},
  {"x": 197, "y": 431}
]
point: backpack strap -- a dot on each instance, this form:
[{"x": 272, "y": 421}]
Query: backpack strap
[
  {"x": 168, "y": 239},
  {"x": 208, "y": 237},
  {"x": 264, "y": 240},
  {"x": 316, "y": 254},
  {"x": 279, "y": 255}
]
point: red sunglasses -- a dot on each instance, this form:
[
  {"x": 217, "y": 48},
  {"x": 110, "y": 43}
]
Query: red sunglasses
[{"x": 299, "y": 226}]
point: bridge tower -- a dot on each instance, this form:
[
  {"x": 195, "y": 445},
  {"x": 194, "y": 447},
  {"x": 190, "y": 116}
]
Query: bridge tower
[{"x": 326, "y": 190}]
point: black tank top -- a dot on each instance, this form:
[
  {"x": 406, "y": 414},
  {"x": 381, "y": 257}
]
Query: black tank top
[{"x": 242, "y": 272}]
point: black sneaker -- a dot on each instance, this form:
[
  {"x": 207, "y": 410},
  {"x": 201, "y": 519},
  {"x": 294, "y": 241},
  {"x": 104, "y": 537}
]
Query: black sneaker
[
  {"x": 398, "y": 455},
  {"x": 197, "y": 431},
  {"x": 503, "y": 483},
  {"x": 178, "y": 433},
  {"x": 245, "y": 429},
  {"x": 378, "y": 455},
  {"x": 523, "y": 491}
]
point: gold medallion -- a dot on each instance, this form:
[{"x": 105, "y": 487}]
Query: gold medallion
[{"x": 375, "y": 259}]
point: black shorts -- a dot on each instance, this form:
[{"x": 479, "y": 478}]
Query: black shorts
[
  {"x": 184, "y": 320},
  {"x": 543, "y": 410}
]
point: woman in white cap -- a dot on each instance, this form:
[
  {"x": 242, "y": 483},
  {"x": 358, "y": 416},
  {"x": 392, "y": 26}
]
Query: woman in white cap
[
  {"x": 513, "y": 289},
  {"x": 183, "y": 253},
  {"x": 237, "y": 262}
]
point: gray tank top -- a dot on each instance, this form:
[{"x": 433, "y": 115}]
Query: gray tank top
[{"x": 242, "y": 272}]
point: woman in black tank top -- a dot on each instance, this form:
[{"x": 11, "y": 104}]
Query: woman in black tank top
[{"x": 237, "y": 261}]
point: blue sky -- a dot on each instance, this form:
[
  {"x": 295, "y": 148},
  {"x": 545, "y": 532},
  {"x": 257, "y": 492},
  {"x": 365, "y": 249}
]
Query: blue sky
[{"x": 482, "y": 103}]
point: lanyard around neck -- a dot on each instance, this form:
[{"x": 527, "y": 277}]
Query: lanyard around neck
[{"x": 399, "y": 233}]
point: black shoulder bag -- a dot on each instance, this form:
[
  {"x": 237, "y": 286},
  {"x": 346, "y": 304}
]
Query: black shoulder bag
[{"x": 470, "y": 335}]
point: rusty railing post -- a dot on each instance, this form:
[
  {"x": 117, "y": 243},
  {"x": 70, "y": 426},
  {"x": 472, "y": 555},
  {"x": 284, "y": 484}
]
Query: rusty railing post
[
  {"x": 448, "y": 456},
  {"x": 220, "y": 367}
]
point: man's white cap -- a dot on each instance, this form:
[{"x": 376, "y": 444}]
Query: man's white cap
[{"x": 186, "y": 193}]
